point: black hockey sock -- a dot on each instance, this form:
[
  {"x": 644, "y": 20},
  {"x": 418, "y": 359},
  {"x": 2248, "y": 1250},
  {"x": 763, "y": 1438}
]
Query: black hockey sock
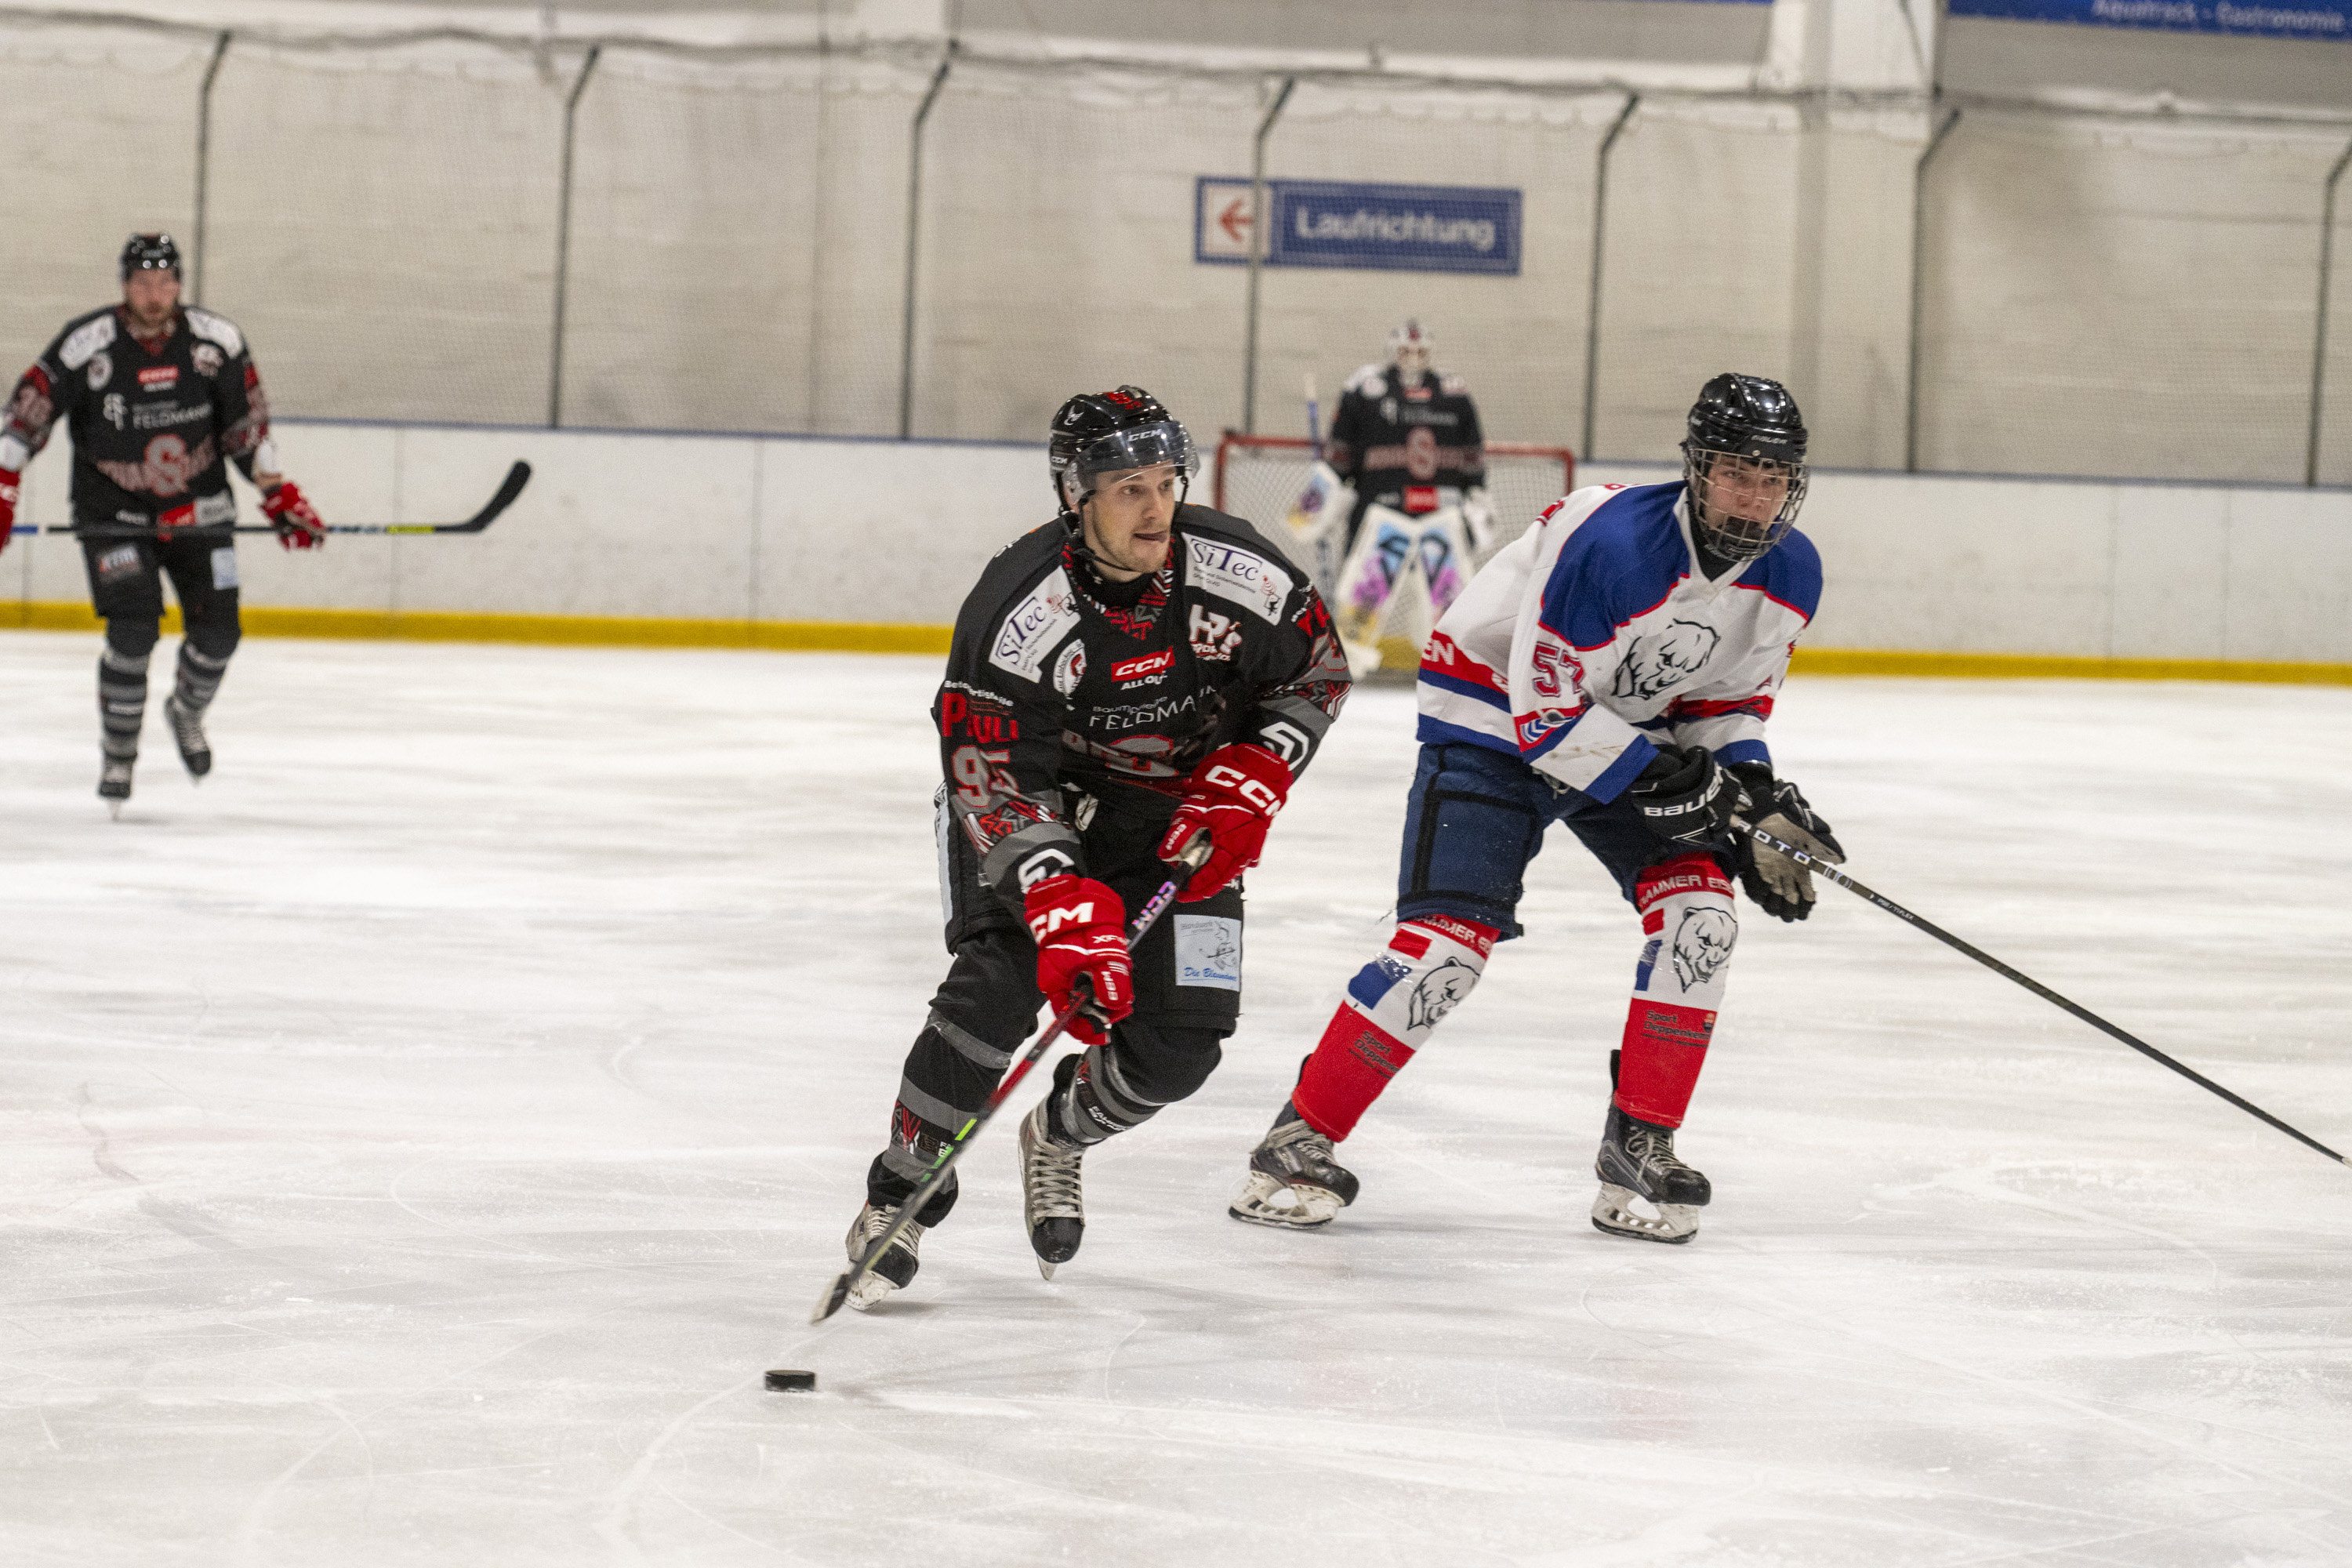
[
  {"x": 199, "y": 678},
  {"x": 1094, "y": 1098},
  {"x": 122, "y": 701}
]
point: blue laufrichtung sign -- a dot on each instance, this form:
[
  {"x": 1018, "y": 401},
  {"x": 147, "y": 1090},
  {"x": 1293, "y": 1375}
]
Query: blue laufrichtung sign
[
  {"x": 1331, "y": 222},
  {"x": 2328, "y": 19}
]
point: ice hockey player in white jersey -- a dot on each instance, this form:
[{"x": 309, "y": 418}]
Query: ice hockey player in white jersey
[{"x": 1613, "y": 669}]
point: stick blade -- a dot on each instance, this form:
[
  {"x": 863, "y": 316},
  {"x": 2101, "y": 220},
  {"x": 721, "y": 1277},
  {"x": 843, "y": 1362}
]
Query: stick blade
[
  {"x": 509, "y": 489},
  {"x": 836, "y": 1295}
]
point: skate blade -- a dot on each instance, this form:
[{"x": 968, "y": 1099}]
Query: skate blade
[
  {"x": 870, "y": 1291},
  {"x": 114, "y": 811},
  {"x": 1613, "y": 1214},
  {"x": 1309, "y": 1208},
  {"x": 1045, "y": 1270}
]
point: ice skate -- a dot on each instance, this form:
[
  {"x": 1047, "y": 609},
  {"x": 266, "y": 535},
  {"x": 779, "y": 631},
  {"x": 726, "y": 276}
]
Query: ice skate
[
  {"x": 188, "y": 732},
  {"x": 1295, "y": 1181},
  {"x": 1637, "y": 1161},
  {"x": 114, "y": 784},
  {"x": 1052, "y": 1199},
  {"x": 895, "y": 1270}
]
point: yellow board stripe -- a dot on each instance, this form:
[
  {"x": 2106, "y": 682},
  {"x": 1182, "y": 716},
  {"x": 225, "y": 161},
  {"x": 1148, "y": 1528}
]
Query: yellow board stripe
[
  {"x": 855, "y": 636},
  {"x": 422, "y": 625},
  {"x": 2045, "y": 666}
]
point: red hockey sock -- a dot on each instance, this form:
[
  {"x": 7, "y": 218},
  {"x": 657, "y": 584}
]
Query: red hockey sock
[
  {"x": 1664, "y": 1048},
  {"x": 1352, "y": 1063}
]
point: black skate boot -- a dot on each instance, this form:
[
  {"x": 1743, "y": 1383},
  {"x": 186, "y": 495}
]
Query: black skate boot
[
  {"x": 895, "y": 1270},
  {"x": 1053, "y": 1199},
  {"x": 1296, "y": 1180},
  {"x": 114, "y": 781},
  {"x": 1637, "y": 1159},
  {"x": 188, "y": 730}
]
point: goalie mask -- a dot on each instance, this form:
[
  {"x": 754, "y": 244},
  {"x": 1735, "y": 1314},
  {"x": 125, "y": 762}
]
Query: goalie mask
[
  {"x": 1409, "y": 350},
  {"x": 1099, "y": 433},
  {"x": 1744, "y": 463}
]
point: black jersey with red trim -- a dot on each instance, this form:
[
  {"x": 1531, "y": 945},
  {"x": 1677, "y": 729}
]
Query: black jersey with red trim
[
  {"x": 1061, "y": 685},
  {"x": 156, "y": 425},
  {"x": 1387, "y": 438}
]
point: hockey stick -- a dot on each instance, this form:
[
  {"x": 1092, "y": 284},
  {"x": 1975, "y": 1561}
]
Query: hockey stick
[
  {"x": 1998, "y": 967},
  {"x": 508, "y": 488},
  {"x": 1188, "y": 860}
]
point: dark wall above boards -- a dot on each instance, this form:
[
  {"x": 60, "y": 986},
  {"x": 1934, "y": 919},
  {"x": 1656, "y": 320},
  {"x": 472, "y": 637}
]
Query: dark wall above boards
[
  {"x": 2021, "y": 59},
  {"x": 1681, "y": 31}
]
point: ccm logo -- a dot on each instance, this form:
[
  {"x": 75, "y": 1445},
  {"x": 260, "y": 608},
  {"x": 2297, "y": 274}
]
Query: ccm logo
[
  {"x": 1052, "y": 921},
  {"x": 159, "y": 375},
  {"x": 1224, "y": 776},
  {"x": 1149, "y": 664}
]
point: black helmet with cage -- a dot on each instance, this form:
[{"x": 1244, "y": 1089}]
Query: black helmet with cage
[
  {"x": 1099, "y": 433},
  {"x": 1752, "y": 422},
  {"x": 150, "y": 253}
]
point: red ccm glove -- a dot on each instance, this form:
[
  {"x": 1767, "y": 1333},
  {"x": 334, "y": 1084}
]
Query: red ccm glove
[
  {"x": 1080, "y": 927},
  {"x": 11, "y": 491},
  {"x": 1234, "y": 794},
  {"x": 297, "y": 521}
]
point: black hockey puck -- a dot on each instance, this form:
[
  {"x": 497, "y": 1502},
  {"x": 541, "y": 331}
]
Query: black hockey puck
[{"x": 786, "y": 1380}]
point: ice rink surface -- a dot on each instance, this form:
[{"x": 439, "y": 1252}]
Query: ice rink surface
[{"x": 419, "y": 1139}]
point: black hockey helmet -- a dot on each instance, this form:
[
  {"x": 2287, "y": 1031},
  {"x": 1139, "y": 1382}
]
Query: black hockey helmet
[
  {"x": 1753, "y": 420},
  {"x": 1109, "y": 433},
  {"x": 150, "y": 253}
]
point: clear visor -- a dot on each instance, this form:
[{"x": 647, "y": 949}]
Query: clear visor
[{"x": 1145, "y": 446}]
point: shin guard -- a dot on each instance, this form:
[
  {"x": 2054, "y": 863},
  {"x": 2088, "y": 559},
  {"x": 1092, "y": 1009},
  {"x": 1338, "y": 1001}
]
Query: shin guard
[
  {"x": 1687, "y": 929},
  {"x": 1392, "y": 1006}
]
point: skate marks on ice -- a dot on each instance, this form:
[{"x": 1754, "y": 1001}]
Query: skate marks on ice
[{"x": 516, "y": 1026}]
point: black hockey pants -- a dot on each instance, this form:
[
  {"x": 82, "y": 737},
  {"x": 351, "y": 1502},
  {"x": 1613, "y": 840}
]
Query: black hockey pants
[
  {"x": 1187, "y": 1000},
  {"x": 126, "y": 590}
]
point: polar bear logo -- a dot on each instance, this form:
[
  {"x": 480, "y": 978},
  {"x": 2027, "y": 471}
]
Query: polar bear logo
[
  {"x": 1703, "y": 945},
  {"x": 1664, "y": 659},
  {"x": 1439, "y": 993}
]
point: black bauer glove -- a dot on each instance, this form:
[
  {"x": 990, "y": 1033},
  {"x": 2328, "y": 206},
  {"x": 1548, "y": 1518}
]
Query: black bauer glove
[
  {"x": 1780, "y": 885},
  {"x": 1687, "y": 799}
]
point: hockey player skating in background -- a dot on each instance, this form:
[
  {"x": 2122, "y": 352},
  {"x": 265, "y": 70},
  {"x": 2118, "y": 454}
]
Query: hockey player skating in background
[
  {"x": 1612, "y": 668},
  {"x": 1132, "y": 673},
  {"x": 159, "y": 398},
  {"x": 1406, "y": 437}
]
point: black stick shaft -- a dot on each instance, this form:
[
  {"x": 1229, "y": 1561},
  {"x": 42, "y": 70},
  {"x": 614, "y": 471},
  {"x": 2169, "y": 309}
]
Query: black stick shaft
[
  {"x": 1188, "y": 862},
  {"x": 509, "y": 489},
  {"x": 1822, "y": 868}
]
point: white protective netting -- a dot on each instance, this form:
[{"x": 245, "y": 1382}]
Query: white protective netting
[
  {"x": 382, "y": 227},
  {"x": 96, "y": 137},
  {"x": 2134, "y": 299},
  {"x": 2101, "y": 294}
]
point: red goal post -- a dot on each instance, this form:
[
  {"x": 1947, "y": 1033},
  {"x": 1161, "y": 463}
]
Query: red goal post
[{"x": 1258, "y": 477}]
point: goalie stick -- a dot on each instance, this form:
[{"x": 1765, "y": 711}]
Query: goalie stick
[
  {"x": 1824, "y": 869},
  {"x": 1188, "y": 860},
  {"x": 509, "y": 489}
]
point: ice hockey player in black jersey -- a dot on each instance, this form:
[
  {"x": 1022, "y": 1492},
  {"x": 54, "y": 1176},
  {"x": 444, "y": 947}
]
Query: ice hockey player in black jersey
[
  {"x": 1406, "y": 434},
  {"x": 159, "y": 398},
  {"x": 1131, "y": 673}
]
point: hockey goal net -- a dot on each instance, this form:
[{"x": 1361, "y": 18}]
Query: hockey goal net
[{"x": 1261, "y": 478}]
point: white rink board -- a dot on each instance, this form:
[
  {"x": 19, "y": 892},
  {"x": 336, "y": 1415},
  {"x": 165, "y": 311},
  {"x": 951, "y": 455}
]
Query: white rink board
[
  {"x": 419, "y": 1139},
  {"x": 775, "y": 528}
]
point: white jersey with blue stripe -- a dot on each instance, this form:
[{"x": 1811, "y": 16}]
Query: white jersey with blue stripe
[{"x": 1592, "y": 635}]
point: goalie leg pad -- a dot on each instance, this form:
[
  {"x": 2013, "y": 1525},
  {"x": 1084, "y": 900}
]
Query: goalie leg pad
[{"x": 1392, "y": 1006}]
